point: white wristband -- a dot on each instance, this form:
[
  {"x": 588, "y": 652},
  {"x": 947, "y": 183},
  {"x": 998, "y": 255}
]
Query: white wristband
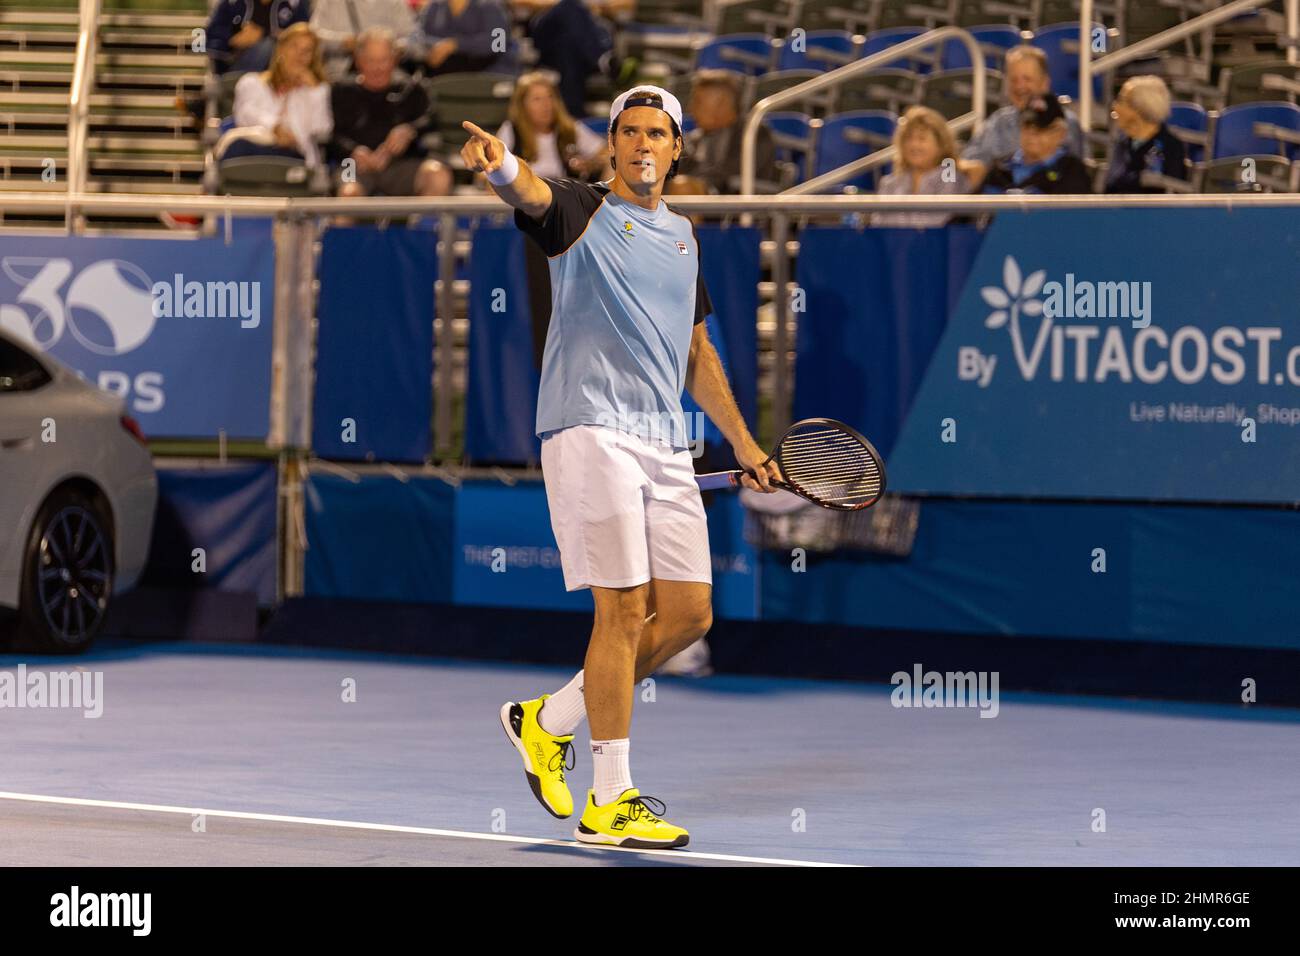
[{"x": 505, "y": 174}]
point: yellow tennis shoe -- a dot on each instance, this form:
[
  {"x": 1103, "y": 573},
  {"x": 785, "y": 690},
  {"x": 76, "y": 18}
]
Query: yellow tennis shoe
[
  {"x": 630, "y": 821},
  {"x": 546, "y": 756}
]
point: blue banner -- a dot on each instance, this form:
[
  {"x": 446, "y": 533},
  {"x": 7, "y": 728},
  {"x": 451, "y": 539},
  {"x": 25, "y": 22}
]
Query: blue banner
[
  {"x": 180, "y": 329},
  {"x": 1133, "y": 354},
  {"x": 501, "y": 387},
  {"x": 505, "y": 553},
  {"x": 379, "y": 538},
  {"x": 871, "y": 305},
  {"x": 229, "y": 511},
  {"x": 374, "y": 345}
]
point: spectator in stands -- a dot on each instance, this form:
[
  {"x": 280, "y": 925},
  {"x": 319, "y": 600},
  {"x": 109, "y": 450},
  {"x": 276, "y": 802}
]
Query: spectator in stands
[
  {"x": 339, "y": 23},
  {"x": 573, "y": 38},
  {"x": 463, "y": 36},
  {"x": 1145, "y": 143},
  {"x": 926, "y": 166},
  {"x": 241, "y": 34},
  {"x": 1043, "y": 163},
  {"x": 378, "y": 124},
  {"x": 710, "y": 160},
  {"x": 540, "y": 130},
  {"x": 285, "y": 110},
  {"x": 1026, "y": 76}
]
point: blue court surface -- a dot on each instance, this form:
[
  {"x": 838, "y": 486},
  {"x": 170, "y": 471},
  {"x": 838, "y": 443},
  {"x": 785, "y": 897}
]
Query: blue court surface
[{"x": 417, "y": 771}]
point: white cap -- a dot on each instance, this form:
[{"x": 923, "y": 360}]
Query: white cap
[{"x": 654, "y": 96}]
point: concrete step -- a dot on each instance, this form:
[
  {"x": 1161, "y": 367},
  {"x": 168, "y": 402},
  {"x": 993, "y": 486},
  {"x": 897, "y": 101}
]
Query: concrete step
[
  {"x": 153, "y": 164},
  {"x": 102, "y": 142},
  {"x": 142, "y": 62},
  {"x": 137, "y": 186},
  {"x": 154, "y": 80}
]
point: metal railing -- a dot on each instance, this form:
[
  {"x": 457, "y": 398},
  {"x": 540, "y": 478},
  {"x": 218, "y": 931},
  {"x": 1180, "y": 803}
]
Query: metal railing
[
  {"x": 299, "y": 222},
  {"x": 836, "y": 77},
  {"x": 79, "y": 99}
]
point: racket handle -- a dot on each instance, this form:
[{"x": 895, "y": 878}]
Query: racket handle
[{"x": 718, "y": 479}]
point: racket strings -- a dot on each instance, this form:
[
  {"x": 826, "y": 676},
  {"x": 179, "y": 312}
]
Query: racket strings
[{"x": 830, "y": 466}]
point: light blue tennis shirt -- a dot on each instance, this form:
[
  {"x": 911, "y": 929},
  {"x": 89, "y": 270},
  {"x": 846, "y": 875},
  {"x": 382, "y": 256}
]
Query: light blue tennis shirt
[{"x": 626, "y": 292}]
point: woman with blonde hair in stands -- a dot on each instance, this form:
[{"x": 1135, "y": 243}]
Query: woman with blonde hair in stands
[
  {"x": 540, "y": 130},
  {"x": 284, "y": 111},
  {"x": 926, "y": 166}
]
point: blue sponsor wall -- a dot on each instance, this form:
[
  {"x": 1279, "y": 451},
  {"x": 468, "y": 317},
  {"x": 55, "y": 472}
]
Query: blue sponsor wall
[
  {"x": 484, "y": 543},
  {"x": 180, "y": 329},
  {"x": 1069, "y": 408},
  {"x": 1119, "y": 354}
]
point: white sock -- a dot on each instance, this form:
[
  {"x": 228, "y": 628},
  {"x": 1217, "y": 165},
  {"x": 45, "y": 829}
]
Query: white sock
[
  {"x": 613, "y": 774},
  {"x": 564, "y": 710}
]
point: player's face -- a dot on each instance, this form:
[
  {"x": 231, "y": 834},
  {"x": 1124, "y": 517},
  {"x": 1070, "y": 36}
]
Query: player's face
[{"x": 644, "y": 146}]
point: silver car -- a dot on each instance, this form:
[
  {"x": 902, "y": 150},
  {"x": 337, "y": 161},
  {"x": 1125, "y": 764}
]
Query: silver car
[{"x": 77, "y": 498}]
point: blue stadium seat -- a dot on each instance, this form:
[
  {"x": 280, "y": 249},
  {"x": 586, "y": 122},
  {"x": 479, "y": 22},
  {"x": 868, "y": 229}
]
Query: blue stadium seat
[
  {"x": 1189, "y": 122},
  {"x": 746, "y": 53},
  {"x": 883, "y": 39},
  {"x": 1235, "y": 135},
  {"x": 994, "y": 39},
  {"x": 837, "y": 43},
  {"x": 792, "y": 135},
  {"x": 1060, "y": 42},
  {"x": 838, "y": 144}
]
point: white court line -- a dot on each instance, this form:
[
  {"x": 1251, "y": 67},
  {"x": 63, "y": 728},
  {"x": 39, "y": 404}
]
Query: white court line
[{"x": 393, "y": 828}]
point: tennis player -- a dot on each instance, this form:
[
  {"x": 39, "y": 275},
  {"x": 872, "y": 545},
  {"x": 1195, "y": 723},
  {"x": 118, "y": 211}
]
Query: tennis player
[{"x": 627, "y": 333}]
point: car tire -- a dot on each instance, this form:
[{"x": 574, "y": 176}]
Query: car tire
[{"x": 67, "y": 574}]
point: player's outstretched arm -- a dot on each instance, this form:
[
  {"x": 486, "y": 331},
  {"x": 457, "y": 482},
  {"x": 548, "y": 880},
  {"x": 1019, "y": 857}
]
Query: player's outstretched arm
[{"x": 484, "y": 153}]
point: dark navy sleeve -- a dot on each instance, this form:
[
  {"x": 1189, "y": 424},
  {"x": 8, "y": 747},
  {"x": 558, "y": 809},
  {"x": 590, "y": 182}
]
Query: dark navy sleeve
[
  {"x": 572, "y": 206},
  {"x": 703, "y": 303}
]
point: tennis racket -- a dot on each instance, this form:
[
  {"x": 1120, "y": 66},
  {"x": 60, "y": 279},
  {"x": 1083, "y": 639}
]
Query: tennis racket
[{"x": 822, "y": 460}]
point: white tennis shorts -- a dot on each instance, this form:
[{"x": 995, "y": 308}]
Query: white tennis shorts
[{"x": 624, "y": 510}]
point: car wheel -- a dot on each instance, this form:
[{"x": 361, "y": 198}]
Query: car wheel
[{"x": 67, "y": 574}]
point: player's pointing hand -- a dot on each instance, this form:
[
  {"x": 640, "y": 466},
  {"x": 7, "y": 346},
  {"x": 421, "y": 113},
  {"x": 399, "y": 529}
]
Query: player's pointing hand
[{"x": 482, "y": 152}]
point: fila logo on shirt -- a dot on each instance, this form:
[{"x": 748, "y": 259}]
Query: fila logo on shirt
[{"x": 682, "y": 250}]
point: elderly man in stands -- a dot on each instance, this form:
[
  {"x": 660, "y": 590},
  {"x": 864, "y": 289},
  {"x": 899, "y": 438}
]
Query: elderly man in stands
[
  {"x": 241, "y": 34},
  {"x": 463, "y": 36},
  {"x": 710, "y": 160},
  {"x": 1026, "y": 76},
  {"x": 1144, "y": 144},
  {"x": 378, "y": 124},
  {"x": 1043, "y": 163},
  {"x": 339, "y": 23}
]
